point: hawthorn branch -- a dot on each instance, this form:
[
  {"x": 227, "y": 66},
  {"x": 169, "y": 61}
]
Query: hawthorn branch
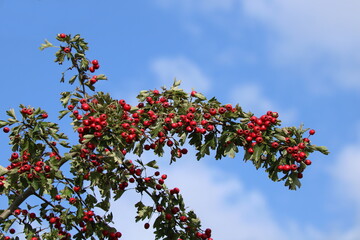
[{"x": 16, "y": 203}]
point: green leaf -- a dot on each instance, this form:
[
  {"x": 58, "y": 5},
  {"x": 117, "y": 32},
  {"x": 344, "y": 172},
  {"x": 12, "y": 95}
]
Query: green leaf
[
  {"x": 3, "y": 170},
  {"x": 63, "y": 113},
  {"x": 46, "y": 45},
  {"x": 88, "y": 138},
  {"x": 76, "y": 38},
  {"x": 176, "y": 83},
  {"x": 321, "y": 149},
  {"x": 101, "y": 77},
  {"x": 8, "y": 224},
  {"x": 3, "y": 123},
  {"x": 72, "y": 79},
  {"x": 152, "y": 164},
  {"x": 11, "y": 113},
  {"x": 200, "y": 96}
]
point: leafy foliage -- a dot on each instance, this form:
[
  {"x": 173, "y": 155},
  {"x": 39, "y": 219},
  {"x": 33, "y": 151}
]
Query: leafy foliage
[{"x": 78, "y": 203}]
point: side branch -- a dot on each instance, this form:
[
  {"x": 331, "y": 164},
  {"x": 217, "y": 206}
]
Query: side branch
[{"x": 18, "y": 200}]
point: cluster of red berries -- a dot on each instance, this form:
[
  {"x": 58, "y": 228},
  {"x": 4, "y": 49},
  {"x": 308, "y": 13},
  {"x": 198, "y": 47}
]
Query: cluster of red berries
[
  {"x": 297, "y": 154},
  {"x": 93, "y": 80},
  {"x": 24, "y": 213},
  {"x": 24, "y": 165},
  {"x": 254, "y": 133},
  {"x": 95, "y": 65},
  {"x": 2, "y": 179},
  {"x": 65, "y": 49},
  {"x": 158, "y": 179},
  {"x": 111, "y": 234}
]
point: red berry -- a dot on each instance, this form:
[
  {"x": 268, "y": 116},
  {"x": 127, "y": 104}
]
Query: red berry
[
  {"x": 146, "y": 225},
  {"x": 85, "y": 107},
  {"x": 14, "y": 156},
  {"x": 67, "y": 49},
  {"x": 52, "y": 220},
  {"x": 95, "y": 62},
  {"x": 293, "y": 167},
  {"x": 312, "y": 132},
  {"x": 222, "y": 110},
  {"x": 62, "y": 35},
  {"x": 12, "y": 231},
  {"x": 17, "y": 212},
  {"x": 168, "y": 216},
  {"x": 70, "y": 107},
  {"x": 307, "y": 162},
  {"x": 6, "y": 129},
  {"x": 286, "y": 167}
]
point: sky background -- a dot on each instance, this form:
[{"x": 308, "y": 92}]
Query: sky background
[{"x": 299, "y": 58}]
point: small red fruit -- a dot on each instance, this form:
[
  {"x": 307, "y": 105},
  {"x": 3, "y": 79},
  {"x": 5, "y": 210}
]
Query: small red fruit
[
  {"x": 62, "y": 35},
  {"x": 293, "y": 167},
  {"x": 67, "y": 49},
  {"x": 222, "y": 110},
  {"x": 146, "y": 225},
  {"x": 72, "y": 200},
  {"x": 95, "y": 62},
  {"x": 17, "y": 212},
  {"x": 85, "y": 107},
  {"x": 14, "y": 156},
  {"x": 52, "y": 220},
  {"x": 312, "y": 132},
  {"x": 168, "y": 216},
  {"x": 307, "y": 162},
  {"x": 6, "y": 129},
  {"x": 275, "y": 144}
]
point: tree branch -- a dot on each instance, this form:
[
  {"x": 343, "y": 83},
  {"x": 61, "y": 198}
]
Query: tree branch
[{"x": 18, "y": 200}]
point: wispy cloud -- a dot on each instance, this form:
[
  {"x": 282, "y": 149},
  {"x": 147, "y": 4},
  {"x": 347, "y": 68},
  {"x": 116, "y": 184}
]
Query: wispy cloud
[
  {"x": 321, "y": 35},
  {"x": 252, "y": 97},
  {"x": 346, "y": 171},
  {"x": 202, "y": 5},
  {"x": 166, "y": 69},
  {"x": 207, "y": 191}
]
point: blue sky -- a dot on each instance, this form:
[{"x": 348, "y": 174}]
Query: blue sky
[{"x": 299, "y": 58}]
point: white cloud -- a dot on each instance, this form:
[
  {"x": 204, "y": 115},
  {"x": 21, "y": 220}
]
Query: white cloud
[
  {"x": 208, "y": 192},
  {"x": 319, "y": 39},
  {"x": 321, "y": 24},
  {"x": 251, "y": 97},
  {"x": 346, "y": 171},
  {"x": 202, "y": 5},
  {"x": 346, "y": 181},
  {"x": 181, "y": 68},
  {"x": 313, "y": 32}
]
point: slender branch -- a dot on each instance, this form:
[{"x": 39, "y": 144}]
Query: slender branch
[{"x": 15, "y": 204}]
